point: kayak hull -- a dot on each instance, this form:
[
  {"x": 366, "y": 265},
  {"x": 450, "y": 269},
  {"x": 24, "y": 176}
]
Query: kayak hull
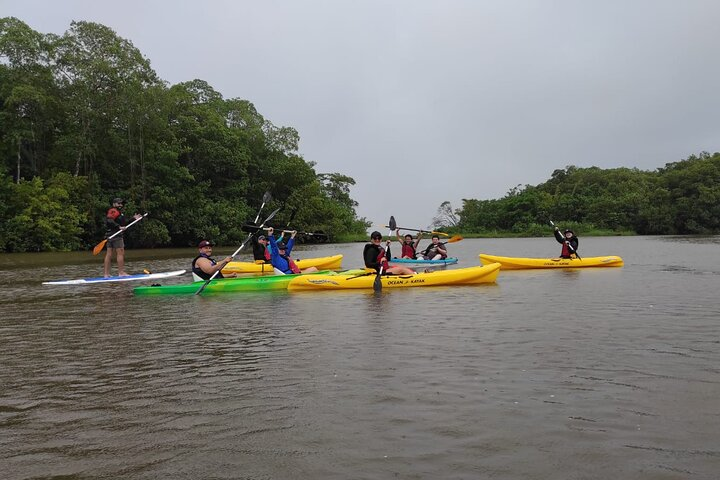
[
  {"x": 231, "y": 285},
  {"x": 513, "y": 263},
  {"x": 127, "y": 278},
  {"x": 223, "y": 285},
  {"x": 460, "y": 276},
  {"x": 412, "y": 261},
  {"x": 333, "y": 262}
]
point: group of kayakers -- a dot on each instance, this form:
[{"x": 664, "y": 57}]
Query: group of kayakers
[{"x": 276, "y": 251}]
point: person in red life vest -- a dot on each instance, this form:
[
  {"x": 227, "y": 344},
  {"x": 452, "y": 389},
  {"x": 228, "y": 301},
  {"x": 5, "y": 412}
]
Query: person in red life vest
[
  {"x": 115, "y": 222},
  {"x": 569, "y": 242},
  {"x": 280, "y": 254},
  {"x": 204, "y": 266},
  {"x": 409, "y": 247},
  {"x": 261, "y": 253},
  {"x": 375, "y": 256},
  {"x": 436, "y": 250}
]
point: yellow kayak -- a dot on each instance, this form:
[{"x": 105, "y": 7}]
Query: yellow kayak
[
  {"x": 322, "y": 263},
  {"x": 460, "y": 276},
  {"x": 511, "y": 263}
]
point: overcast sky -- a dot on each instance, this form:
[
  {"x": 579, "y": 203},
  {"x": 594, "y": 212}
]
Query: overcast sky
[{"x": 425, "y": 101}]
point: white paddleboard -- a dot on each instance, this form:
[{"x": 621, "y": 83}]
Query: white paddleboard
[{"x": 128, "y": 278}]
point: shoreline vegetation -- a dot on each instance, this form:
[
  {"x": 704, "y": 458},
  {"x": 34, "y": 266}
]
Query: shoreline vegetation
[
  {"x": 84, "y": 119},
  {"x": 590, "y": 232}
]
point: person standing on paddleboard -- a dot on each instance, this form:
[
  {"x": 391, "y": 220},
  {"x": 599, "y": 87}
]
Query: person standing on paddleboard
[{"x": 115, "y": 221}]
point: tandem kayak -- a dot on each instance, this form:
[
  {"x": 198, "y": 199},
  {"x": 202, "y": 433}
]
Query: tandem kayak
[
  {"x": 413, "y": 261},
  {"x": 228, "y": 285},
  {"x": 124, "y": 278},
  {"x": 460, "y": 276},
  {"x": 322, "y": 263},
  {"x": 510, "y": 263}
]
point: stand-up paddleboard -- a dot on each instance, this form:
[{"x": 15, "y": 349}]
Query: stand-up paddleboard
[{"x": 128, "y": 278}]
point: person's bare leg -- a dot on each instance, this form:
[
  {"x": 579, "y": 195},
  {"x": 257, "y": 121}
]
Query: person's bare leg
[
  {"x": 120, "y": 257},
  {"x": 397, "y": 270},
  {"x": 108, "y": 261}
]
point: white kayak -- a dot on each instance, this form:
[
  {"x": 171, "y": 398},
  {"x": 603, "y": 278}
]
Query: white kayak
[{"x": 125, "y": 278}]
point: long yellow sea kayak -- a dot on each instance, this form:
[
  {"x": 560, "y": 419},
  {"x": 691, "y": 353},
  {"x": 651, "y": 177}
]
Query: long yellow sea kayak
[
  {"x": 511, "y": 263},
  {"x": 322, "y": 263},
  {"x": 460, "y": 276}
]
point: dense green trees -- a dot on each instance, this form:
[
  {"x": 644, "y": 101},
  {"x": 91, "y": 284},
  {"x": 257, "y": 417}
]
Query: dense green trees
[
  {"x": 681, "y": 198},
  {"x": 84, "y": 118}
]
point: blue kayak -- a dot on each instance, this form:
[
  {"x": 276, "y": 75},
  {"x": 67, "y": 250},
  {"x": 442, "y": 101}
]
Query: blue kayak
[{"x": 413, "y": 261}]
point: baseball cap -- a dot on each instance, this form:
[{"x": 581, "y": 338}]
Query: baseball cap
[
  {"x": 262, "y": 237},
  {"x": 205, "y": 243},
  {"x": 118, "y": 200}
]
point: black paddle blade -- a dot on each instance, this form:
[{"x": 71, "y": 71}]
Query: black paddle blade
[
  {"x": 267, "y": 197},
  {"x": 392, "y": 225},
  {"x": 271, "y": 216},
  {"x": 292, "y": 216},
  {"x": 377, "y": 284}
]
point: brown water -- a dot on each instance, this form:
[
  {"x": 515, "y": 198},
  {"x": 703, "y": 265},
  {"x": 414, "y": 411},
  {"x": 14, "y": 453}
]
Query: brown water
[{"x": 582, "y": 374}]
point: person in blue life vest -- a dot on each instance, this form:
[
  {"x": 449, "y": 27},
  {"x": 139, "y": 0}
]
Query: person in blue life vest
[
  {"x": 204, "y": 266},
  {"x": 569, "y": 241},
  {"x": 280, "y": 254},
  {"x": 409, "y": 247},
  {"x": 435, "y": 251},
  {"x": 116, "y": 221}
]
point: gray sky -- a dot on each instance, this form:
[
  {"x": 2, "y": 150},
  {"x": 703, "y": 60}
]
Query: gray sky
[{"x": 425, "y": 101}]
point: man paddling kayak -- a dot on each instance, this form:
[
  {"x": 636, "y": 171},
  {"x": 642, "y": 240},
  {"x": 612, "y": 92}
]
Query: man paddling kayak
[{"x": 204, "y": 266}]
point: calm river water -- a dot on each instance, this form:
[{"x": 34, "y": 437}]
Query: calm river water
[{"x": 574, "y": 374}]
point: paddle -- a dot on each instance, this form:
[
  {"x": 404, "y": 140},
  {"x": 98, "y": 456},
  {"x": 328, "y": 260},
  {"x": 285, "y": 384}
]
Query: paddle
[
  {"x": 416, "y": 230},
  {"x": 98, "y": 248},
  {"x": 377, "y": 284},
  {"x": 572, "y": 250},
  {"x": 301, "y": 233},
  {"x": 236, "y": 252},
  {"x": 453, "y": 239},
  {"x": 266, "y": 198}
]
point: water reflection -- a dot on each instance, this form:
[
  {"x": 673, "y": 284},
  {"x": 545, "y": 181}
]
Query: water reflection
[{"x": 546, "y": 372}]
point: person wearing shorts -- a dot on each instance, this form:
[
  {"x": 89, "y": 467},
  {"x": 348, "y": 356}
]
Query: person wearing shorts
[{"x": 115, "y": 222}]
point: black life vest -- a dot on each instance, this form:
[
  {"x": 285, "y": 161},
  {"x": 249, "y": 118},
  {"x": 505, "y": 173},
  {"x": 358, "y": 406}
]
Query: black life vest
[{"x": 199, "y": 271}]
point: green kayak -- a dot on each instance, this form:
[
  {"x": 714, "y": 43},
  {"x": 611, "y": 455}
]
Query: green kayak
[{"x": 225, "y": 285}]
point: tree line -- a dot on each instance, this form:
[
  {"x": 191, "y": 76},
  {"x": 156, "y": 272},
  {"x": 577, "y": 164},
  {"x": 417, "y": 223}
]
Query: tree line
[
  {"x": 84, "y": 118},
  {"x": 680, "y": 198}
]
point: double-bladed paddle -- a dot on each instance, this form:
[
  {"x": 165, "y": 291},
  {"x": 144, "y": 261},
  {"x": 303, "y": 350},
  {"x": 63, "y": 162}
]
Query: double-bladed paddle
[
  {"x": 266, "y": 198},
  {"x": 377, "y": 284},
  {"x": 416, "y": 230}
]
